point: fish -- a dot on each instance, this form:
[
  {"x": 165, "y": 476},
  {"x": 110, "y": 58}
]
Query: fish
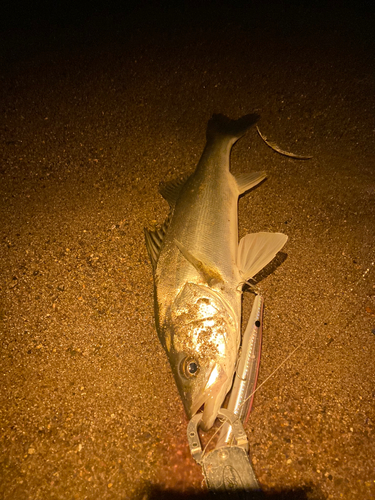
[{"x": 200, "y": 270}]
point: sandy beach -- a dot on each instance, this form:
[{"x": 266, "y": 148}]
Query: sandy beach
[{"x": 96, "y": 110}]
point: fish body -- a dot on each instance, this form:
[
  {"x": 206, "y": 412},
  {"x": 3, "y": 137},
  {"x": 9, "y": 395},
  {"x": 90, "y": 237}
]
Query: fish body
[{"x": 199, "y": 270}]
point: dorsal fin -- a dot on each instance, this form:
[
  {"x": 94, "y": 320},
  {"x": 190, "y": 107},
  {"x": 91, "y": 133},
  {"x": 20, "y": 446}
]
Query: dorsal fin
[
  {"x": 256, "y": 250},
  {"x": 209, "y": 273},
  {"x": 154, "y": 241},
  {"x": 248, "y": 180},
  {"x": 171, "y": 190}
]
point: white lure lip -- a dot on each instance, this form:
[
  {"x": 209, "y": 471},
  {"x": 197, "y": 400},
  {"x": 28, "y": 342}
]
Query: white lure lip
[
  {"x": 215, "y": 380},
  {"x": 212, "y": 407}
]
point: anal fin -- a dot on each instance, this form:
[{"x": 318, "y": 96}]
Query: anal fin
[{"x": 248, "y": 180}]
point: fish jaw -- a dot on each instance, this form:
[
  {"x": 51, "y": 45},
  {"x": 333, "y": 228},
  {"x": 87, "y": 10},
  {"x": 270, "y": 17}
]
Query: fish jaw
[
  {"x": 201, "y": 390},
  {"x": 204, "y": 345},
  {"x": 209, "y": 392}
]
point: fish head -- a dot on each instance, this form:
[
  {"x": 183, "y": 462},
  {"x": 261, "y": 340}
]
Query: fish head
[{"x": 203, "y": 349}]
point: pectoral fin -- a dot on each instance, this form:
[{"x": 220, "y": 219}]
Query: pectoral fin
[
  {"x": 208, "y": 272},
  {"x": 256, "y": 250}
]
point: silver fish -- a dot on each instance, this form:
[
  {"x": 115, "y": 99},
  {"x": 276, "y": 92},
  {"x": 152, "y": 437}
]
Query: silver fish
[{"x": 200, "y": 269}]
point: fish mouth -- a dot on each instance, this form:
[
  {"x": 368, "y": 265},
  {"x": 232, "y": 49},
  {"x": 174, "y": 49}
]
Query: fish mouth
[{"x": 211, "y": 396}]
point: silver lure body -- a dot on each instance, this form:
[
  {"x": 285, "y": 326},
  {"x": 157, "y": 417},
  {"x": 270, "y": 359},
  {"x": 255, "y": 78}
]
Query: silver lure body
[{"x": 244, "y": 385}]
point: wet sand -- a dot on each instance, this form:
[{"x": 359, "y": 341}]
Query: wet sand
[{"x": 95, "y": 113}]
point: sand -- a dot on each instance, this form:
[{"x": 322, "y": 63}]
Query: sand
[{"x": 96, "y": 110}]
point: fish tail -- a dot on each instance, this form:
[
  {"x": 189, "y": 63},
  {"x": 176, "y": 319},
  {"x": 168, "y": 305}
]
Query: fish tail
[{"x": 220, "y": 125}]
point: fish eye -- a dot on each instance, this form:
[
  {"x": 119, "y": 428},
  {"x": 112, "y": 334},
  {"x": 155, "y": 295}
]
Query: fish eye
[{"x": 190, "y": 367}]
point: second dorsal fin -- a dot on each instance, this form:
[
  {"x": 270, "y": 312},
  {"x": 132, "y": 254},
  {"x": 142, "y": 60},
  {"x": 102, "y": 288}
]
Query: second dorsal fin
[{"x": 171, "y": 190}]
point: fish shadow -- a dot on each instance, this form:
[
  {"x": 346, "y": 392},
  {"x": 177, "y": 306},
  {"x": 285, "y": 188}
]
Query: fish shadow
[
  {"x": 283, "y": 494},
  {"x": 268, "y": 269}
]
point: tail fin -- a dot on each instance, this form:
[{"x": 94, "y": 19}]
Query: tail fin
[{"x": 224, "y": 126}]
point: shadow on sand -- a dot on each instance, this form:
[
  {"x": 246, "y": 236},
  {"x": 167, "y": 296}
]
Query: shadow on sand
[{"x": 305, "y": 493}]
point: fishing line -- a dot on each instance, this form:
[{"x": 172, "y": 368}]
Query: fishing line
[
  {"x": 364, "y": 275},
  {"x": 258, "y": 387}
]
